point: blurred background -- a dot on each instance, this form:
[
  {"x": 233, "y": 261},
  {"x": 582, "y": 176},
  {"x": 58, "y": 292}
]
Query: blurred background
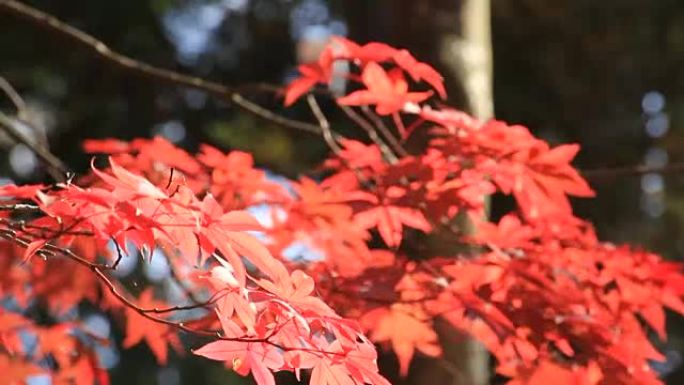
[{"x": 608, "y": 75}]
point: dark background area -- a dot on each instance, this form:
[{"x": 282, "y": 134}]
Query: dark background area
[{"x": 608, "y": 75}]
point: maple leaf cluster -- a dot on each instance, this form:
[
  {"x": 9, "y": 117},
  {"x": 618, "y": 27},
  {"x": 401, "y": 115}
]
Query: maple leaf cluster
[
  {"x": 547, "y": 298},
  {"x": 267, "y": 322}
]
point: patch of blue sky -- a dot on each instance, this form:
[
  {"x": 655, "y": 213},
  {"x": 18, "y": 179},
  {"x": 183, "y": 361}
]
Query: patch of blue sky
[
  {"x": 97, "y": 325},
  {"x": 311, "y": 20},
  {"x": 174, "y": 293},
  {"x": 107, "y": 356},
  {"x": 265, "y": 213},
  {"x": 281, "y": 180},
  {"x": 5, "y": 182},
  {"x": 300, "y": 251},
  {"x": 29, "y": 341},
  {"x": 39, "y": 379},
  {"x": 128, "y": 262},
  {"x": 307, "y": 14},
  {"x": 191, "y": 28},
  {"x": 11, "y": 304},
  {"x": 157, "y": 268},
  {"x": 64, "y": 315}
]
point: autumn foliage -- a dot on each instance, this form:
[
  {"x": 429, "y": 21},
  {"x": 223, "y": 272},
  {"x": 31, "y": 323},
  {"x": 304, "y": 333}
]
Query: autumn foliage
[{"x": 551, "y": 302}]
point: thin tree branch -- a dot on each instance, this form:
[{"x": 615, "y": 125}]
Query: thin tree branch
[
  {"x": 231, "y": 94},
  {"x": 391, "y": 139},
  {"x": 13, "y": 96},
  {"x": 150, "y": 72},
  {"x": 269, "y": 115},
  {"x": 22, "y": 111},
  {"x": 608, "y": 173},
  {"x": 372, "y": 133},
  {"x": 40, "y": 231},
  {"x": 324, "y": 124},
  {"x": 49, "y": 250},
  {"x": 184, "y": 287},
  {"x": 55, "y": 166},
  {"x": 20, "y": 207},
  {"x": 98, "y": 48}
]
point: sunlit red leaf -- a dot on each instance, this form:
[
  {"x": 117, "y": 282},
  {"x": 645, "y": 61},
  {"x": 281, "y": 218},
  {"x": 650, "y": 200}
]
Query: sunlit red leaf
[
  {"x": 388, "y": 92},
  {"x": 404, "y": 332},
  {"x": 139, "y": 328}
]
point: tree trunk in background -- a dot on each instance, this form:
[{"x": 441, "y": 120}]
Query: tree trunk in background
[
  {"x": 467, "y": 54},
  {"x": 452, "y": 35},
  {"x": 456, "y": 37}
]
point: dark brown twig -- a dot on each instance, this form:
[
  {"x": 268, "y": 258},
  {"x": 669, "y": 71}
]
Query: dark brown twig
[
  {"x": 380, "y": 125},
  {"x": 231, "y": 94},
  {"x": 100, "y": 49},
  {"x": 269, "y": 115},
  {"x": 20, "y": 207},
  {"x": 119, "y": 293},
  {"x": 13, "y": 96},
  {"x": 196, "y": 304},
  {"x": 371, "y": 132},
  {"x": 324, "y": 124},
  {"x": 22, "y": 111},
  {"x": 184, "y": 287},
  {"x": 55, "y": 166},
  {"x": 150, "y": 72},
  {"x": 608, "y": 173}
]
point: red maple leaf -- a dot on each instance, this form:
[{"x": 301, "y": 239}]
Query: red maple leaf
[
  {"x": 234, "y": 299},
  {"x": 420, "y": 71},
  {"x": 390, "y": 221},
  {"x": 140, "y": 328},
  {"x": 244, "y": 357},
  {"x": 327, "y": 373},
  {"x": 128, "y": 183},
  {"x": 544, "y": 179},
  {"x": 398, "y": 326},
  {"x": 296, "y": 291},
  {"x": 381, "y": 52},
  {"x": 312, "y": 74},
  {"x": 227, "y": 233},
  {"x": 369, "y": 52},
  {"x": 387, "y": 91}
]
